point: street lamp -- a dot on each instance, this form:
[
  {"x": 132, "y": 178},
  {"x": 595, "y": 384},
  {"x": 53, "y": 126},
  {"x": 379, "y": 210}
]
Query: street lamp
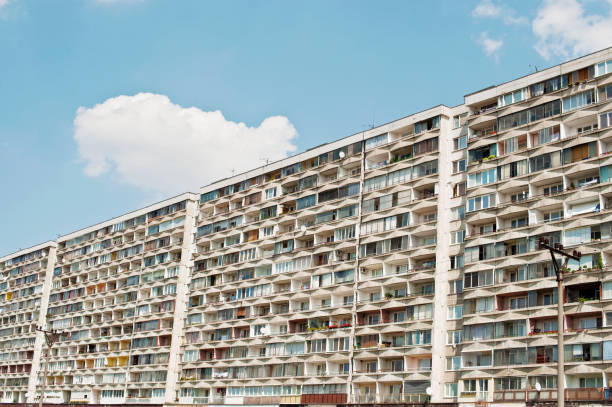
[
  {"x": 558, "y": 248},
  {"x": 51, "y": 336}
]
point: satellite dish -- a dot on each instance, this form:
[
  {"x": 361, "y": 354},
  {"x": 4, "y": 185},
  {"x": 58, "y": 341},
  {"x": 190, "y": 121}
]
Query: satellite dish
[
  {"x": 275, "y": 229},
  {"x": 303, "y": 228},
  {"x": 428, "y": 391},
  {"x": 265, "y": 331},
  {"x": 538, "y": 386},
  {"x": 342, "y": 155}
]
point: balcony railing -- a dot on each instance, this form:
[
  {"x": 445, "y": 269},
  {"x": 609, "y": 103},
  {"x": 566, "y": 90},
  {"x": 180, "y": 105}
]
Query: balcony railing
[
  {"x": 576, "y": 394},
  {"x": 389, "y": 398}
]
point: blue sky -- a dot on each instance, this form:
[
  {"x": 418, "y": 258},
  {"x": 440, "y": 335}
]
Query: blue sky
[{"x": 103, "y": 103}]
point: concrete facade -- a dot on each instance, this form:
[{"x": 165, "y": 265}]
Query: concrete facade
[{"x": 395, "y": 265}]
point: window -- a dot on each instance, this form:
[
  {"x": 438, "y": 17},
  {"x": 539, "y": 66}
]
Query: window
[
  {"x": 428, "y": 168},
  {"x": 544, "y": 161},
  {"x": 453, "y": 363},
  {"x": 306, "y": 202},
  {"x": 552, "y": 216},
  {"x": 426, "y": 125},
  {"x": 283, "y": 247},
  {"x": 529, "y": 115},
  {"x": 454, "y": 337},
  {"x": 606, "y": 93},
  {"x": 481, "y": 202},
  {"x": 553, "y": 189},
  {"x": 512, "y": 97},
  {"x": 577, "y": 236},
  {"x": 455, "y": 312},
  {"x": 478, "y": 279},
  {"x": 587, "y": 207},
  {"x": 109, "y": 394},
  {"x": 456, "y": 261},
  {"x": 336, "y": 153},
  {"x": 266, "y": 213},
  {"x": 483, "y": 153},
  {"x": 451, "y": 389},
  {"x": 398, "y": 177},
  {"x": 457, "y": 237},
  {"x": 518, "y": 302},
  {"x": 460, "y": 143},
  {"x": 482, "y": 178},
  {"x": 603, "y": 67},
  {"x": 605, "y": 119},
  {"x": 270, "y": 193},
  {"x": 482, "y": 252},
  {"x": 317, "y": 345},
  {"x": 484, "y": 304},
  {"x": 455, "y": 286},
  {"x": 590, "y": 382},
  {"x": 518, "y": 222},
  {"x": 209, "y": 196},
  {"x": 376, "y": 141},
  {"x": 375, "y": 183},
  {"x": 579, "y": 100},
  {"x": 459, "y": 166},
  {"x": 550, "y": 85},
  {"x": 582, "y": 182},
  {"x": 459, "y": 189},
  {"x": 292, "y": 169},
  {"x": 546, "y": 135},
  {"x": 469, "y": 386},
  {"x": 460, "y": 120},
  {"x": 458, "y": 213},
  {"x": 579, "y": 153},
  {"x": 520, "y": 196},
  {"x": 425, "y": 146}
]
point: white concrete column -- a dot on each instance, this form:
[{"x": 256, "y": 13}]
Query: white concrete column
[
  {"x": 42, "y": 316},
  {"x": 180, "y": 306},
  {"x": 440, "y": 304}
]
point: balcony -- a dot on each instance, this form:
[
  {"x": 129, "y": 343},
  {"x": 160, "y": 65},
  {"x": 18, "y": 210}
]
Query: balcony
[
  {"x": 575, "y": 394},
  {"x": 339, "y": 398},
  {"x": 391, "y": 398}
]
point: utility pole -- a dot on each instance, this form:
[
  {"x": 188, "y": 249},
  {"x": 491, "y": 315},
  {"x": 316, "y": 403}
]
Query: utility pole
[
  {"x": 558, "y": 248},
  {"x": 51, "y": 336}
]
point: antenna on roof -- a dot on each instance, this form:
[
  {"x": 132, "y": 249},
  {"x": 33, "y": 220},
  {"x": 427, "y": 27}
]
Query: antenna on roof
[
  {"x": 535, "y": 67},
  {"x": 266, "y": 160},
  {"x": 233, "y": 172}
]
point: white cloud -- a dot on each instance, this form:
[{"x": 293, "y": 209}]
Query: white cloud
[
  {"x": 563, "y": 28},
  {"x": 4, "y": 3},
  {"x": 486, "y": 8},
  {"x": 489, "y": 45},
  {"x": 153, "y": 144},
  {"x": 489, "y": 9}
]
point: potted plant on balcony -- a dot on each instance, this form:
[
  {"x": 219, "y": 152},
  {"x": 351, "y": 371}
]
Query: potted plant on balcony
[
  {"x": 388, "y": 296},
  {"x": 600, "y": 262}
]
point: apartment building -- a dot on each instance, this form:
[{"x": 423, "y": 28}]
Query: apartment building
[
  {"x": 24, "y": 287},
  {"x": 314, "y": 278},
  {"x": 397, "y": 265},
  {"x": 117, "y": 296}
]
